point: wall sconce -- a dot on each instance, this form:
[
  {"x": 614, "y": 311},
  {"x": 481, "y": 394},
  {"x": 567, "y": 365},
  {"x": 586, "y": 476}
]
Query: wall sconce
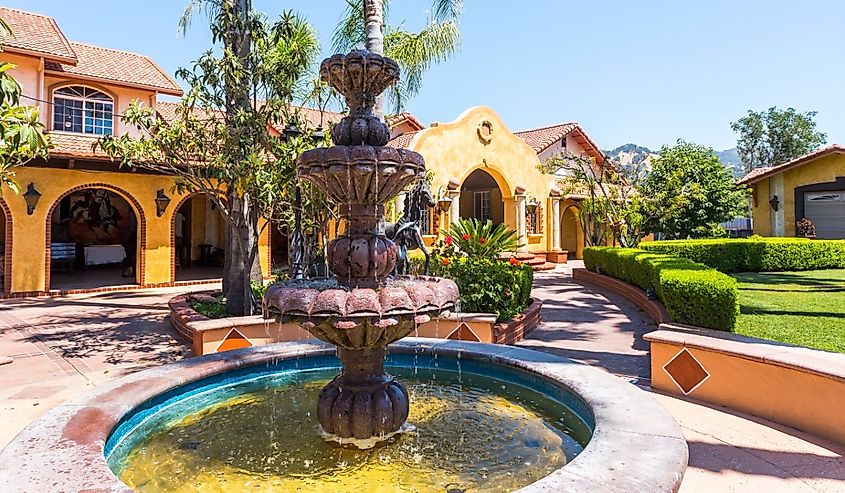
[
  {"x": 774, "y": 202},
  {"x": 291, "y": 131},
  {"x": 443, "y": 203},
  {"x": 162, "y": 201},
  {"x": 532, "y": 205},
  {"x": 31, "y": 198}
]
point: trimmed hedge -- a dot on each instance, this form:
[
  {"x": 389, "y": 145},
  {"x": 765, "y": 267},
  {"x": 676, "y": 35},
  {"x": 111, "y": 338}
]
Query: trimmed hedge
[
  {"x": 692, "y": 293},
  {"x": 756, "y": 255}
]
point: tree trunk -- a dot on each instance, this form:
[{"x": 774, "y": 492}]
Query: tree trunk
[{"x": 374, "y": 29}]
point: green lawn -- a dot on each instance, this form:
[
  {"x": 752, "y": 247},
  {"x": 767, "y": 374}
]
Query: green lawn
[{"x": 802, "y": 308}]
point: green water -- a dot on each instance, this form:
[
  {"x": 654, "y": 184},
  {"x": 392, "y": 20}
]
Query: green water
[{"x": 475, "y": 435}]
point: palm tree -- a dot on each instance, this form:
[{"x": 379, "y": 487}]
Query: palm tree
[{"x": 362, "y": 25}]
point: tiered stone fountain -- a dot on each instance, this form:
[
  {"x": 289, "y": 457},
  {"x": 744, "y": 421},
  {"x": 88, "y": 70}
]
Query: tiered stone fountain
[{"x": 363, "y": 308}]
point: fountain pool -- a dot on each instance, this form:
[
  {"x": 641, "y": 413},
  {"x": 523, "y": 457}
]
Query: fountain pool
[{"x": 512, "y": 419}]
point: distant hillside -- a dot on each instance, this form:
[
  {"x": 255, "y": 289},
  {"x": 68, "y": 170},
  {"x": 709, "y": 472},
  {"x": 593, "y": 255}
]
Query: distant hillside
[{"x": 629, "y": 154}]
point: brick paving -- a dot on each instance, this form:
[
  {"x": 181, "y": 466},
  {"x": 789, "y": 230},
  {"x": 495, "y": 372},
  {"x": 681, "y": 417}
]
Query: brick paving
[{"x": 61, "y": 347}]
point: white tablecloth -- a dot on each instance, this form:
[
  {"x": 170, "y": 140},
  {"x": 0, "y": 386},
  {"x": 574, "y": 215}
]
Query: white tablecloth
[{"x": 104, "y": 254}]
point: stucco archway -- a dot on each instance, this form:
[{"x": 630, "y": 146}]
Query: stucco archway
[
  {"x": 195, "y": 222},
  {"x": 571, "y": 232},
  {"x": 482, "y": 196},
  {"x": 140, "y": 230},
  {"x": 6, "y": 239}
]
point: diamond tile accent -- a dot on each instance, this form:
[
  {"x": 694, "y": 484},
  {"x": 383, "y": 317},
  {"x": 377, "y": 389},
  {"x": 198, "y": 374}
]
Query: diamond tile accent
[
  {"x": 463, "y": 333},
  {"x": 234, "y": 340},
  {"x": 686, "y": 371}
]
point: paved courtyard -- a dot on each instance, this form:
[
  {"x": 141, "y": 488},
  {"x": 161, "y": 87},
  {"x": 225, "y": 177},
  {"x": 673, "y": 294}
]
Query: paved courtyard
[{"x": 62, "y": 347}]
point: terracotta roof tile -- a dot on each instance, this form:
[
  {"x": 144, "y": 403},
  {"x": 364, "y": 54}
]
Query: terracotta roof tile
[
  {"x": 541, "y": 139},
  {"x": 403, "y": 140},
  {"x": 75, "y": 146},
  {"x": 121, "y": 67},
  {"x": 37, "y": 34},
  {"x": 759, "y": 174},
  {"x": 394, "y": 120}
]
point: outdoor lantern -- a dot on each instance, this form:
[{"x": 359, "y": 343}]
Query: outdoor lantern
[
  {"x": 318, "y": 134},
  {"x": 532, "y": 205},
  {"x": 291, "y": 131},
  {"x": 162, "y": 201},
  {"x": 774, "y": 202},
  {"x": 31, "y": 198},
  {"x": 443, "y": 203}
]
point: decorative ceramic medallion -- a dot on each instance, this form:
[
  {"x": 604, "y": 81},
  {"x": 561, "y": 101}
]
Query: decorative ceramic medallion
[{"x": 485, "y": 132}]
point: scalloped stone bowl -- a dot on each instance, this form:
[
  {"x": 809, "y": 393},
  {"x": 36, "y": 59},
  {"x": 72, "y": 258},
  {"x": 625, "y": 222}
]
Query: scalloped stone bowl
[{"x": 359, "y": 73}]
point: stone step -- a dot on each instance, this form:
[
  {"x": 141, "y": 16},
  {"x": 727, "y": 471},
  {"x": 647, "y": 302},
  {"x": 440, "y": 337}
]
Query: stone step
[
  {"x": 534, "y": 261},
  {"x": 544, "y": 266}
]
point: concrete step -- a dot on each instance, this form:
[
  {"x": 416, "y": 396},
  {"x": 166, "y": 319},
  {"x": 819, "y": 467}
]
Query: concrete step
[{"x": 544, "y": 266}]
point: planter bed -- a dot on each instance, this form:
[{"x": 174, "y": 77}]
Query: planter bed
[{"x": 208, "y": 335}]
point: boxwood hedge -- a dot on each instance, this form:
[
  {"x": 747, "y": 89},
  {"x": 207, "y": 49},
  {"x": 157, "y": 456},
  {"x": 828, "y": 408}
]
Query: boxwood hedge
[
  {"x": 692, "y": 293},
  {"x": 756, "y": 254}
]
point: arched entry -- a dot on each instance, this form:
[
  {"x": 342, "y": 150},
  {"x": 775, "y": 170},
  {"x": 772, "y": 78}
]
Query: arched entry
[
  {"x": 199, "y": 239},
  {"x": 571, "y": 234},
  {"x": 279, "y": 240},
  {"x": 482, "y": 198},
  {"x": 95, "y": 239},
  {"x": 5, "y": 247}
]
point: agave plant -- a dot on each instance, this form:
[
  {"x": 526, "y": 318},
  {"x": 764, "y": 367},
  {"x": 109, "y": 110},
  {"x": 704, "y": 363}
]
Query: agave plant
[{"x": 478, "y": 239}]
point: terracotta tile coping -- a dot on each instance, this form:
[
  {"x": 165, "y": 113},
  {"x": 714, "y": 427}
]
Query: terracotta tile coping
[
  {"x": 636, "y": 444},
  {"x": 817, "y": 362},
  {"x": 635, "y": 295}
]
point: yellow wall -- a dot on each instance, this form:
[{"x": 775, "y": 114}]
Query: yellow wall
[
  {"x": 454, "y": 150},
  {"x": 29, "y": 236},
  {"x": 822, "y": 170}
]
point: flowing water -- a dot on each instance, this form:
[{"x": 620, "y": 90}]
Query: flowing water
[{"x": 478, "y": 435}]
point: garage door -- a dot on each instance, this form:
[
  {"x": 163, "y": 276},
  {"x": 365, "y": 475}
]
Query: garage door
[{"x": 827, "y": 211}]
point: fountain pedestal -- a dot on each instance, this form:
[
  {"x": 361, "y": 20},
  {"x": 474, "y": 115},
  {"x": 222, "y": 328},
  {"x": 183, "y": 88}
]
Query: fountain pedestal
[{"x": 362, "y": 309}]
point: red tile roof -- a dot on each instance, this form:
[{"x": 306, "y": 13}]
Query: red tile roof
[
  {"x": 35, "y": 34},
  {"x": 541, "y": 139},
  {"x": 762, "y": 173},
  {"x": 405, "y": 117},
  {"x": 117, "y": 67},
  {"x": 77, "y": 146},
  {"x": 403, "y": 140}
]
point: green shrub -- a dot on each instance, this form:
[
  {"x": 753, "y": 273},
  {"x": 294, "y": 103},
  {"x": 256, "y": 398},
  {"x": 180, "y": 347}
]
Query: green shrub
[
  {"x": 692, "y": 293},
  {"x": 487, "y": 285},
  {"x": 477, "y": 239},
  {"x": 756, "y": 254}
]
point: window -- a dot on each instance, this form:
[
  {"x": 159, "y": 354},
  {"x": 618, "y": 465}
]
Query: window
[
  {"x": 481, "y": 205},
  {"x": 83, "y": 110}
]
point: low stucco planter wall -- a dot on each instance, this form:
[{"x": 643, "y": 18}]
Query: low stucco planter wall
[
  {"x": 653, "y": 308},
  {"x": 636, "y": 445},
  {"x": 209, "y": 336},
  {"x": 796, "y": 386}
]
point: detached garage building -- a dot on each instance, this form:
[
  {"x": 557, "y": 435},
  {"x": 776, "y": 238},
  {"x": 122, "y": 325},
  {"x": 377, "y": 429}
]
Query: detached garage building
[{"x": 811, "y": 186}]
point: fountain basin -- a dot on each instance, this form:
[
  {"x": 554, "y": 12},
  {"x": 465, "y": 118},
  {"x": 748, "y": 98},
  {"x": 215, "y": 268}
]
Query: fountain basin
[{"x": 635, "y": 444}]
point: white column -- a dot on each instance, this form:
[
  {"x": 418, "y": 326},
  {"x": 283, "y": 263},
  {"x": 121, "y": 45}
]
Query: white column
[
  {"x": 555, "y": 229},
  {"x": 455, "y": 208},
  {"x": 520, "y": 222}
]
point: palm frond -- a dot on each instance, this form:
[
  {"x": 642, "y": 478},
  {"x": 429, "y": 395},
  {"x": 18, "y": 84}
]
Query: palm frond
[
  {"x": 446, "y": 10},
  {"x": 349, "y": 32}
]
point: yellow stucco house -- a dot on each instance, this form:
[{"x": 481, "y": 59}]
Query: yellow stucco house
[
  {"x": 811, "y": 186},
  {"x": 84, "y": 223}
]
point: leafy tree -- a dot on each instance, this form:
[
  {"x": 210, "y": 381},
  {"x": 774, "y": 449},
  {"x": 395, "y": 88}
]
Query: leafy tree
[
  {"x": 219, "y": 143},
  {"x": 692, "y": 192},
  {"x": 21, "y": 131},
  {"x": 772, "y": 137},
  {"x": 611, "y": 208},
  {"x": 363, "y": 25}
]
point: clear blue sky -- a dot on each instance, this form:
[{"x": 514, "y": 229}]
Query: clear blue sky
[{"x": 646, "y": 71}]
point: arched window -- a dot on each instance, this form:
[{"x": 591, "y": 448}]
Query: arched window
[{"x": 82, "y": 109}]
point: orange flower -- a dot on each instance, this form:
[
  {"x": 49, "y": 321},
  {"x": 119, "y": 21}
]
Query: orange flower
[
  {"x": 445, "y": 261},
  {"x": 513, "y": 261},
  {"x": 482, "y": 240},
  {"x": 448, "y": 240},
  {"x": 465, "y": 237}
]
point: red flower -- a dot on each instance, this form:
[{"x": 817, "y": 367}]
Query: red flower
[
  {"x": 448, "y": 240},
  {"x": 482, "y": 240},
  {"x": 465, "y": 237},
  {"x": 513, "y": 261},
  {"x": 445, "y": 261}
]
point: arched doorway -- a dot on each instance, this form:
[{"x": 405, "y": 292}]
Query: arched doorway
[
  {"x": 199, "y": 235},
  {"x": 279, "y": 244},
  {"x": 571, "y": 235},
  {"x": 94, "y": 240},
  {"x": 481, "y": 198},
  {"x": 5, "y": 248}
]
